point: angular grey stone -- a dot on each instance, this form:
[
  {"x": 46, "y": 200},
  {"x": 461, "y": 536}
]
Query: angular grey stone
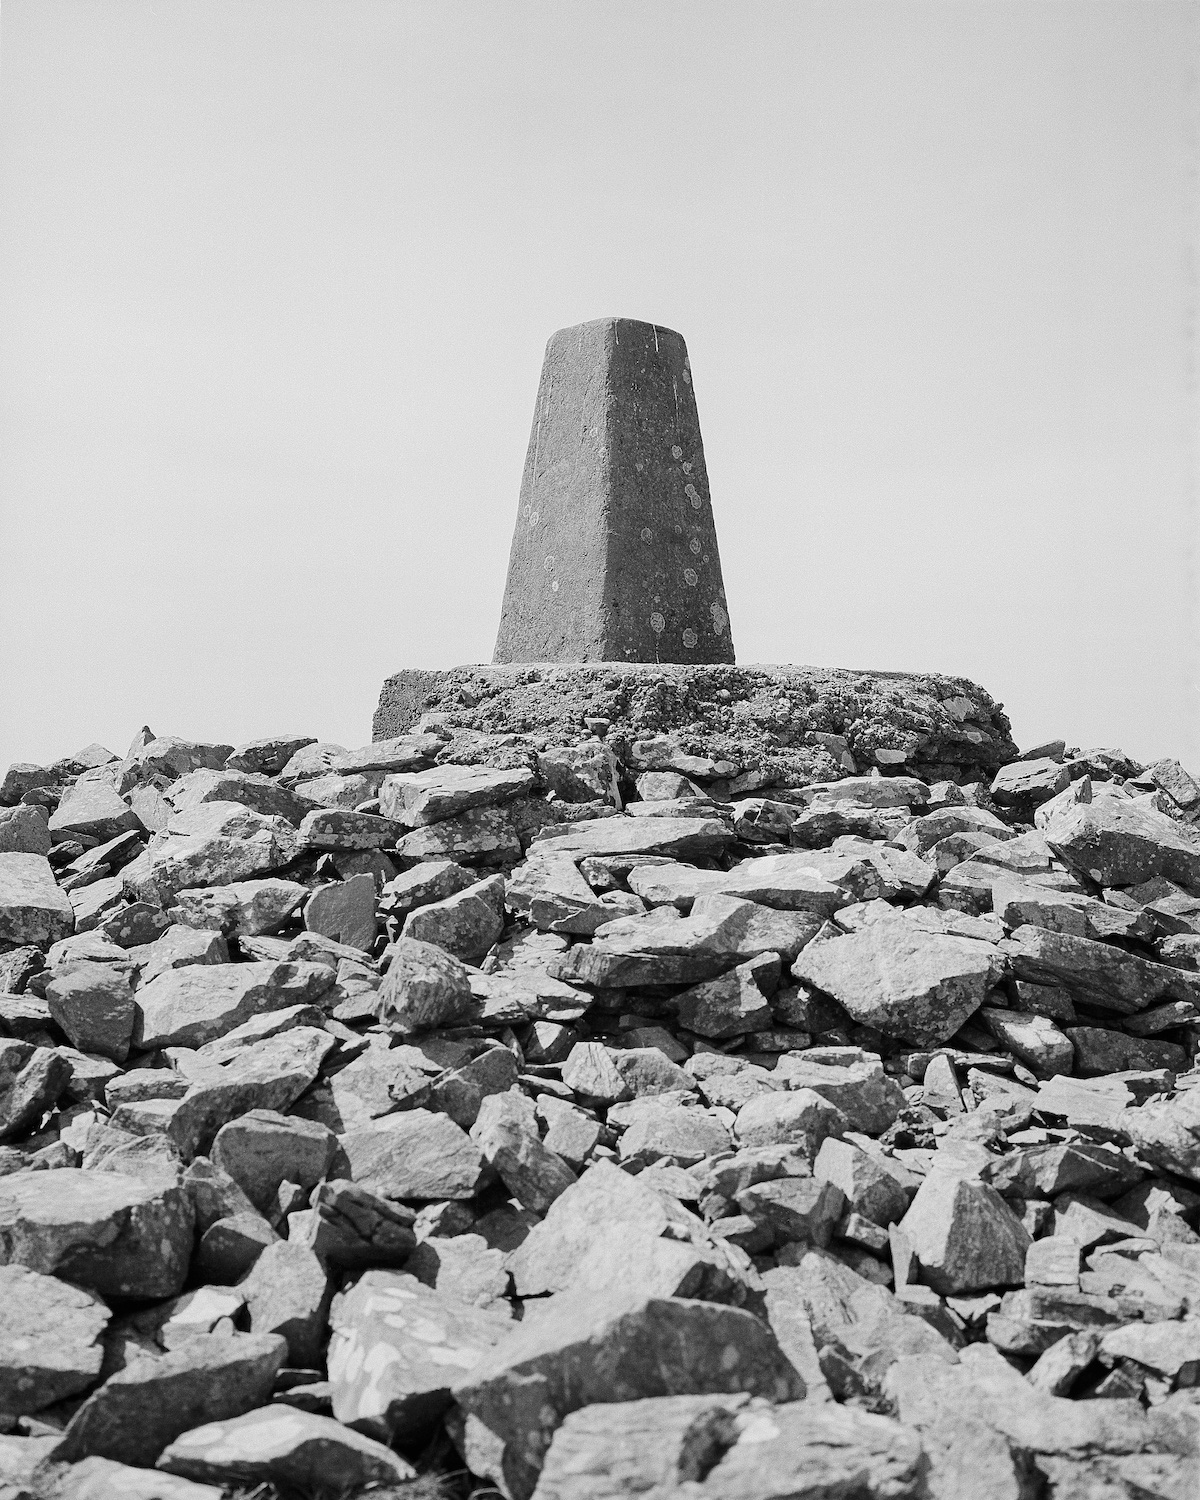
[
  {"x": 865, "y": 1094},
  {"x": 142, "y": 1407},
  {"x": 229, "y": 1247},
  {"x": 622, "y": 519},
  {"x": 587, "y": 1349},
  {"x": 965, "y": 1236},
  {"x": 251, "y": 790},
  {"x": 1096, "y": 974},
  {"x": 609, "y": 1451},
  {"x": 109, "y": 1233},
  {"x": 180, "y": 946},
  {"x": 664, "y": 1130},
  {"x": 465, "y": 1267},
  {"x": 1119, "y": 842},
  {"x": 104, "y": 1479},
  {"x": 1034, "y": 1040},
  {"x": 448, "y": 791},
  {"x": 869, "y": 1188},
  {"x": 32, "y": 908},
  {"x": 507, "y": 1136},
  {"x": 424, "y": 987},
  {"x": 465, "y": 924},
  {"x": 263, "y": 1148},
  {"x": 483, "y": 836},
  {"x": 215, "y": 843},
  {"x": 395, "y": 1350},
  {"x": 353, "y": 1228},
  {"x": 798, "y": 1118},
  {"x": 337, "y": 828},
  {"x": 196, "y": 1004},
  {"x": 31, "y": 1080},
  {"x": 344, "y": 910},
  {"x": 49, "y": 1339},
  {"x": 414, "y": 1155},
  {"x": 407, "y": 752},
  {"x": 665, "y": 948},
  {"x": 93, "y": 808},
  {"x": 820, "y": 882},
  {"x": 271, "y": 1074},
  {"x": 281, "y": 1445},
  {"x": 1167, "y": 1134},
  {"x": 900, "y": 978},
  {"x": 268, "y": 756},
  {"x": 818, "y": 1449},
  {"x": 287, "y": 1292},
  {"x": 244, "y": 908},
  {"x": 165, "y": 758},
  {"x": 581, "y": 773},
  {"x": 802, "y": 1210},
  {"x": 681, "y": 838},
  {"x": 1098, "y": 1050},
  {"x": 23, "y": 830},
  {"x": 433, "y": 880},
  {"x": 1027, "y": 783},
  {"x": 732, "y": 1004},
  {"x": 94, "y": 1005}
]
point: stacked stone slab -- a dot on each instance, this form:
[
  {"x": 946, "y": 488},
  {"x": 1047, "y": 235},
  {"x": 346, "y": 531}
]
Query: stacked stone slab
[{"x": 614, "y": 555}]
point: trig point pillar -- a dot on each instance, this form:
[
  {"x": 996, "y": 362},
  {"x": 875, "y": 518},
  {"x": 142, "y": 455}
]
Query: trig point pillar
[{"x": 614, "y": 556}]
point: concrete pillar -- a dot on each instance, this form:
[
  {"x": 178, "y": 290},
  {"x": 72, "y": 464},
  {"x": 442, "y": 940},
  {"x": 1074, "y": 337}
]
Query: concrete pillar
[{"x": 614, "y": 556}]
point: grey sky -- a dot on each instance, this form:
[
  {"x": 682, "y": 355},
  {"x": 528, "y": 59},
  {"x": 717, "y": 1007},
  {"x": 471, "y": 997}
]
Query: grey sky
[{"x": 276, "y": 277}]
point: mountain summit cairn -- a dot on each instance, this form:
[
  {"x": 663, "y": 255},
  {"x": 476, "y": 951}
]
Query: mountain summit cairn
[{"x": 614, "y": 555}]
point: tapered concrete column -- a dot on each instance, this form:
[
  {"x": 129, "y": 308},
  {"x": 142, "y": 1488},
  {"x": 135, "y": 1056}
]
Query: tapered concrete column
[{"x": 614, "y": 556}]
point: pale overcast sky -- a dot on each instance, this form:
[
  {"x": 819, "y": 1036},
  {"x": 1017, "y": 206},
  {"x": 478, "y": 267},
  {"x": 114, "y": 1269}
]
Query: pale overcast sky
[{"x": 276, "y": 277}]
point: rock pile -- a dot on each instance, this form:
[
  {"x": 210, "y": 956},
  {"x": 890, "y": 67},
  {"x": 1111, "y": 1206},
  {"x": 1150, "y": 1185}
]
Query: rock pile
[{"x": 597, "y": 1118}]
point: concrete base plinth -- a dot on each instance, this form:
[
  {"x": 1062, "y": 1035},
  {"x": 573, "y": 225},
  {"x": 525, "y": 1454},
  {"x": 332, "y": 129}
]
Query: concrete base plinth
[{"x": 812, "y": 723}]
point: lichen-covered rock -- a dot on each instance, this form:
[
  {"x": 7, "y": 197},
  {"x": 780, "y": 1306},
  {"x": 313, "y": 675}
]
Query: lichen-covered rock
[
  {"x": 397, "y": 1347},
  {"x": 104, "y": 1231}
]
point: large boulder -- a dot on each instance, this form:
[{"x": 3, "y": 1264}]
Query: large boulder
[
  {"x": 49, "y": 1339},
  {"x": 214, "y": 843},
  {"x": 588, "y": 1349},
  {"x": 442, "y": 792},
  {"x": 903, "y": 979},
  {"x": 141, "y": 1408},
  {"x": 31, "y": 1080},
  {"x": 424, "y": 987},
  {"x": 280, "y": 1445},
  {"x": 116, "y": 1235},
  {"x": 416, "y": 1154},
  {"x": 966, "y": 1238},
  {"x": 1117, "y": 841},
  {"x": 33, "y": 909},
  {"x": 190, "y": 1006},
  {"x": 396, "y": 1348}
]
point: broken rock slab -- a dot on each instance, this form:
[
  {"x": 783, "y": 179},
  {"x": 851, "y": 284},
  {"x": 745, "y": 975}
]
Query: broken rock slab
[
  {"x": 215, "y": 843},
  {"x": 590, "y": 1348},
  {"x": 902, "y": 979},
  {"x": 33, "y": 909},
  {"x": 104, "y": 1231},
  {"x": 140, "y": 1408},
  {"x": 395, "y": 1350},
  {"x": 282, "y": 1445},
  {"x": 49, "y": 1339}
]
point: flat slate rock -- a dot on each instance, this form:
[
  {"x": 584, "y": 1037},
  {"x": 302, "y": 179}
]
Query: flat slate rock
[
  {"x": 141, "y": 1408},
  {"x": 282, "y": 1445},
  {"x": 396, "y": 1348},
  {"x": 49, "y": 1339},
  {"x": 112, "y": 1234}
]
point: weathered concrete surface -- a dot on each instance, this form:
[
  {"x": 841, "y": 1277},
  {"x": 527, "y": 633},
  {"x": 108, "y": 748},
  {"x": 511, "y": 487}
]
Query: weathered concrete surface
[
  {"x": 614, "y": 554},
  {"x": 812, "y": 723}
]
